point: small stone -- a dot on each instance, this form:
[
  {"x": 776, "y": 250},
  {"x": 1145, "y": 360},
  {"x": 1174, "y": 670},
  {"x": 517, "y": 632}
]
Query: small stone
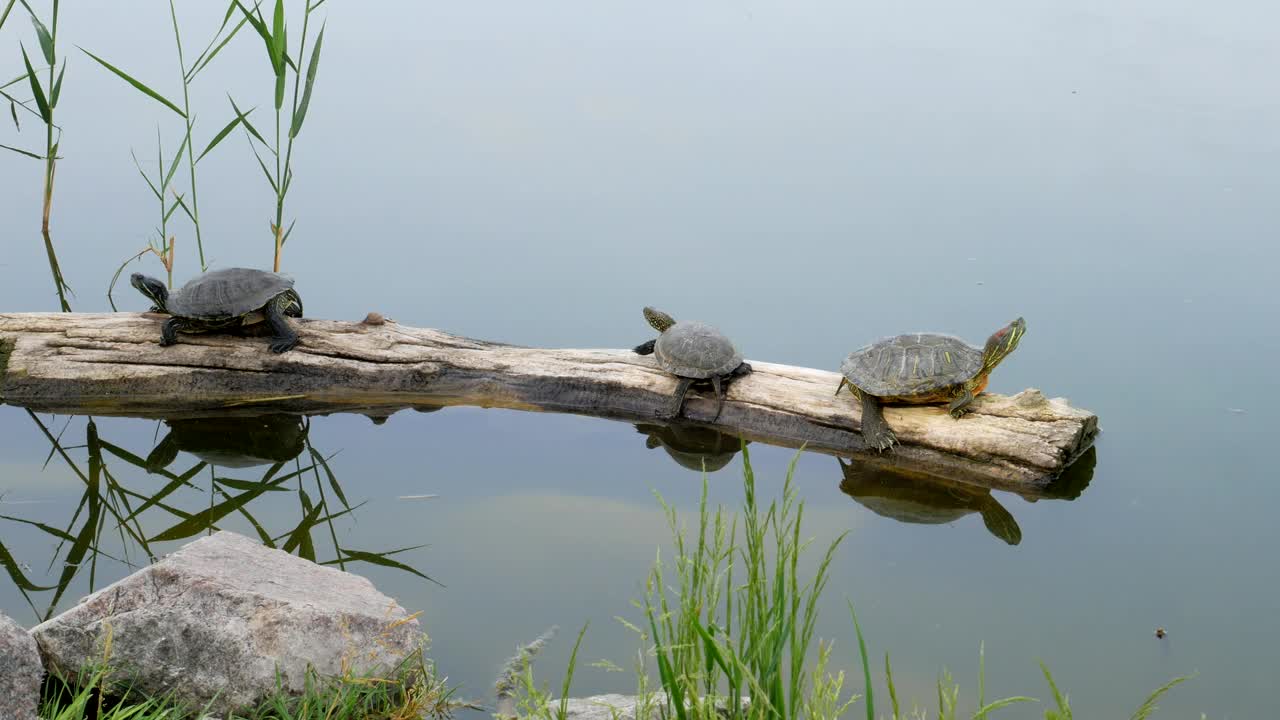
[
  {"x": 20, "y": 672},
  {"x": 374, "y": 318},
  {"x": 222, "y": 616}
]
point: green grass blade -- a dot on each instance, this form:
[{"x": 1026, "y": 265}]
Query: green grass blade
[
  {"x": 135, "y": 83},
  {"x": 177, "y": 203},
  {"x": 23, "y": 152},
  {"x": 14, "y": 570},
  {"x": 185, "y": 209},
  {"x": 866, "y": 665},
  {"x": 244, "y": 120},
  {"x": 562, "y": 713},
  {"x": 223, "y": 133},
  {"x": 278, "y": 40},
  {"x": 36, "y": 90},
  {"x": 893, "y": 690},
  {"x": 173, "y": 168},
  {"x": 206, "y": 519},
  {"x": 56, "y": 532},
  {"x": 333, "y": 480},
  {"x": 243, "y": 485},
  {"x": 380, "y": 559},
  {"x": 5, "y": 15},
  {"x": 301, "y": 114},
  {"x": 300, "y": 536},
  {"x": 155, "y": 191},
  {"x": 1064, "y": 708},
  {"x": 13, "y": 111},
  {"x": 46, "y": 40},
  {"x": 210, "y": 52},
  {"x": 991, "y": 707},
  {"x": 1149, "y": 706},
  {"x": 57, "y": 88},
  {"x": 288, "y": 232},
  {"x": 265, "y": 171},
  {"x": 256, "y": 22},
  {"x": 280, "y": 77}
]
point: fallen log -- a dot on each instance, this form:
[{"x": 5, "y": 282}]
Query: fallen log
[{"x": 112, "y": 364}]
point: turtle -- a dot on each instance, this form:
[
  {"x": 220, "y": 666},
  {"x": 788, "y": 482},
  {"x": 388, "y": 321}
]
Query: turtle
[
  {"x": 922, "y": 368},
  {"x": 231, "y": 442},
  {"x": 694, "y": 352},
  {"x": 915, "y": 497},
  {"x": 225, "y": 299},
  {"x": 701, "y": 449}
]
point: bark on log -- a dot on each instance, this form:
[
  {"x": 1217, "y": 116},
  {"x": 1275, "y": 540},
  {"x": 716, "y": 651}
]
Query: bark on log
[{"x": 112, "y": 364}]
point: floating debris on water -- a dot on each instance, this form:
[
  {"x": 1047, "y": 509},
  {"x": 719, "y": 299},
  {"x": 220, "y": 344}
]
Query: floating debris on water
[
  {"x": 1238, "y": 411},
  {"x": 417, "y": 497},
  {"x": 1161, "y": 633}
]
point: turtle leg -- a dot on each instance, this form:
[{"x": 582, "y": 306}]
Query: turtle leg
[
  {"x": 644, "y": 348},
  {"x": 843, "y": 381},
  {"x": 285, "y": 338},
  {"x": 1000, "y": 522},
  {"x": 169, "y": 331},
  {"x": 719, "y": 388},
  {"x": 875, "y": 431},
  {"x": 681, "y": 390},
  {"x": 960, "y": 405}
]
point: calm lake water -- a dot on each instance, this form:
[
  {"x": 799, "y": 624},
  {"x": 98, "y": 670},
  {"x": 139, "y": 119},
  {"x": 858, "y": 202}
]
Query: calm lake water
[{"x": 807, "y": 176}]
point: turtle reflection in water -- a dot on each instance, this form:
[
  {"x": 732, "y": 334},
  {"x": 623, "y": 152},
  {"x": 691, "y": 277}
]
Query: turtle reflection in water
[
  {"x": 232, "y": 442},
  {"x": 691, "y": 446},
  {"x": 912, "y": 497}
]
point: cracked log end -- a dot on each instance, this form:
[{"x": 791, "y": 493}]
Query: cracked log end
[{"x": 112, "y": 364}]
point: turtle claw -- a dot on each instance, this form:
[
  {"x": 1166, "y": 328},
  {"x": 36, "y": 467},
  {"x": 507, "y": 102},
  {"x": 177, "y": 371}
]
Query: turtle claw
[
  {"x": 885, "y": 443},
  {"x": 283, "y": 345}
]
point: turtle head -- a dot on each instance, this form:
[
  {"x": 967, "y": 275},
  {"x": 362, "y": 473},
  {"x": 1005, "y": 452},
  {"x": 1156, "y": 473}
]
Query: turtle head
[
  {"x": 658, "y": 319},
  {"x": 1002, "y": 342},
  {"x": 152, "y": 288}
]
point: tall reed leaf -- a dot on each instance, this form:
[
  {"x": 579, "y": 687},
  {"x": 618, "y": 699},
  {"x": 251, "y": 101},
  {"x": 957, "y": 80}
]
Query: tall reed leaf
[
  {"x": 301, "y": 113},
  {"x": 46, "y": 40},
  {"x": 36, "y": 90},
  {"x": 134, "y": 82}
]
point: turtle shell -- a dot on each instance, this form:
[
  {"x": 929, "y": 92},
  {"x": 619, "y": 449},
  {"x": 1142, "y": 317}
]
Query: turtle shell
[
  {"x": 912, "y": 366},
  {"x": 229, "y": 293},
  {"x": 696, "y": 350}
]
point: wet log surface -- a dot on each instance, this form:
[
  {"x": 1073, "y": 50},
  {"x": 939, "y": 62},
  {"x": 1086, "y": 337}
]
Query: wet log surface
[{"x": 112, "y": 364}]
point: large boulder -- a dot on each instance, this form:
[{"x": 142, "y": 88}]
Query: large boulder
[
  {"x": 20, "y": 672},
  {"x": 222, "y": 616}
]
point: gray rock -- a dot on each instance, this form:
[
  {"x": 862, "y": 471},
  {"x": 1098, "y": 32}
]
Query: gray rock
[
  {"x": 20, "y": 672},
  {"x": 601, "y": 707},
  {"x": 612, "y": 707},
  {"x": 221, "y": 616}
]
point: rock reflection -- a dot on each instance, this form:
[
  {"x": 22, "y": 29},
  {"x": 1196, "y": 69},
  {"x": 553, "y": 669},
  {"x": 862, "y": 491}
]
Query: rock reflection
[
  {"x": 232, "y": 442},
  {"x": 694, "y": 447},
  {"x": 915, "y": 497}
]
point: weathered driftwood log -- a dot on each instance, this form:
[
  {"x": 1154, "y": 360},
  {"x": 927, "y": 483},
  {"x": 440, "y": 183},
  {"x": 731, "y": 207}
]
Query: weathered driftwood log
[{"x": 113, "y": 365}]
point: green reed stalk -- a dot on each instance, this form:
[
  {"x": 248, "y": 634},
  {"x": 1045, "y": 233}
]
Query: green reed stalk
[
  {"x": 45, "y": 96},
  {"x": 275, "y": 38},
  {"x": 191, "y": 157}
]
